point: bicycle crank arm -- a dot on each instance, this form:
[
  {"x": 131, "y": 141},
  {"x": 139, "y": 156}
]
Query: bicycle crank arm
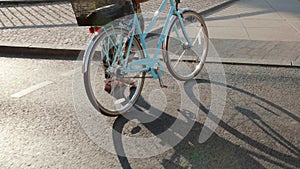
[{"x": 161, "y": 83}]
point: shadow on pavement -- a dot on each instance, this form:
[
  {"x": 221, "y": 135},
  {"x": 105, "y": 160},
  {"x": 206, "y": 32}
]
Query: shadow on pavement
[
  {"x": 233, "y": 16},
  {"x": 218, "y": 152}
]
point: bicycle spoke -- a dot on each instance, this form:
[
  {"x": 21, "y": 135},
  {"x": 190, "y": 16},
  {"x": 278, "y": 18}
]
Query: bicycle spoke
[
  {"x": 192, "y": 51},
  {"x": 107, "y": 87},
  {"x": 179, "y": 58}
]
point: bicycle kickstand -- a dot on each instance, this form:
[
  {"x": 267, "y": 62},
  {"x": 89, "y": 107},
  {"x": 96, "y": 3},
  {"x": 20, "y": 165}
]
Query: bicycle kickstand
[{"x": 161, "y": 83}]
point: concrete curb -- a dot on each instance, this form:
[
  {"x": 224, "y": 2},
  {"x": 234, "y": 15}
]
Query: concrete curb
[
  {"x": 39, "y": 53},
  {"x": 256, "y": 62}
]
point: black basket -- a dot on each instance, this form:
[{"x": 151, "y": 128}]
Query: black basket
[{"x": 100, "y": 12}]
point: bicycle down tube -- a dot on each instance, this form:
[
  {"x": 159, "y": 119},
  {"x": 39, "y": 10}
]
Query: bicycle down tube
[{"x": 148, "y": 61}]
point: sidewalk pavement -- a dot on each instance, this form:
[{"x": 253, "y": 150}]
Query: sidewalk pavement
[
  {"x": 263, "y": 32},
  {"x": 257, "y": 31}
]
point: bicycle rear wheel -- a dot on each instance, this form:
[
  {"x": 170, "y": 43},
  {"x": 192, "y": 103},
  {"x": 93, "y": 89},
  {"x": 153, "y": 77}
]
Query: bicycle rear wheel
[
  {"x": 111, "y": 91},
  {"x": 185, "y": 61}
]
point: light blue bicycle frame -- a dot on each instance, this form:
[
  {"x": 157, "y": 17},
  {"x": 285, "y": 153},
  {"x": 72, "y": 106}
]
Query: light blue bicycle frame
[{"x": 148, "y": 62}]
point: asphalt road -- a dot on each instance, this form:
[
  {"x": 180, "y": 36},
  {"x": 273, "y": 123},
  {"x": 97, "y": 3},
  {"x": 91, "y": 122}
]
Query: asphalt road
[{"x": 43, "y": 122}]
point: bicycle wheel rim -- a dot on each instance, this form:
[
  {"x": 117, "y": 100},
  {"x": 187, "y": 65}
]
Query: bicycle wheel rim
[
  {"x": 185, "y": 64},
  {"x": 121, "y": 98}
]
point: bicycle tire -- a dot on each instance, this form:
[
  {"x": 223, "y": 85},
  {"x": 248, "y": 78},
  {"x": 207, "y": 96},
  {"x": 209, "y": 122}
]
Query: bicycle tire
[
  {"x": 181, "y": 62},
  {"x": 97, "y": 95}
]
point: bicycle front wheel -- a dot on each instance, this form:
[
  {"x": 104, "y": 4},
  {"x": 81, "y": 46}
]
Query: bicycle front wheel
[
  {"x": 111, "y": 91},
  {"x": 186, "y": 52}
]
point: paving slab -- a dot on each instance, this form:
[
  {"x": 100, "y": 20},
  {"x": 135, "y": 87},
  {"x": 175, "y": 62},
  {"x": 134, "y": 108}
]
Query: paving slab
[
  {"x": 266, "y": 20},
  {"x": 228, "y": 32},
  {"x": 287, "y": 9},
  {"x": 264, "y": 23},
  {"x": 274, "y": 34},
  {"x": 295, "y": 23},
  {"x": 296, "y": 63},
  {"x": 246, "y": 61},
  {"x": 265, "y": 50},
  {"x": 225, "y": 23}
]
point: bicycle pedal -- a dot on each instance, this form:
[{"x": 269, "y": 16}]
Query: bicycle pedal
[
  {"x": 161, "y": 83},
  {"x": 164, "y": 86}
]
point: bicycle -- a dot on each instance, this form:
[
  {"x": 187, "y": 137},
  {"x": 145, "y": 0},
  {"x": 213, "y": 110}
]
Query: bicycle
[{"x": 119, "y": 55}]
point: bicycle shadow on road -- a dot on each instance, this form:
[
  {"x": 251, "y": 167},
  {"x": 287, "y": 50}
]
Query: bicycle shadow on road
[{"x": 217, "y": 151}]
